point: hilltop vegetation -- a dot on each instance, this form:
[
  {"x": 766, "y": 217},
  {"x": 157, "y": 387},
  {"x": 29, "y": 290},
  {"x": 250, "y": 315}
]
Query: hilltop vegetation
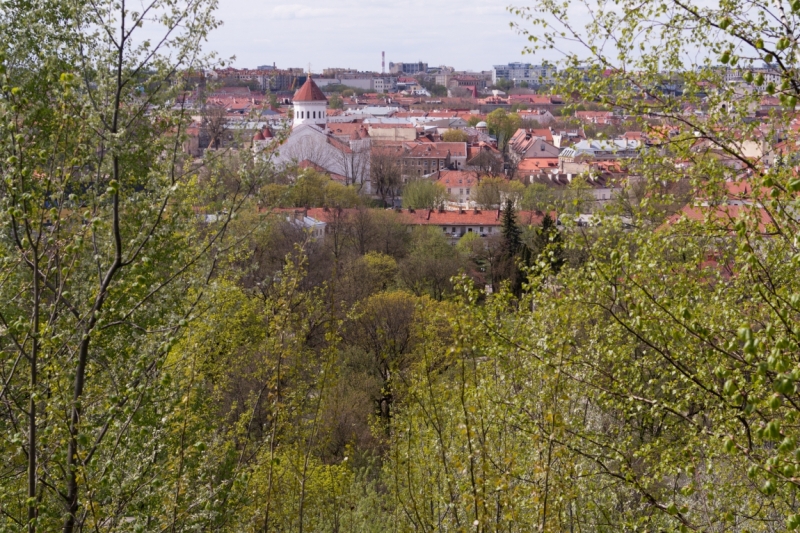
[{"x": 176, "y": 354}]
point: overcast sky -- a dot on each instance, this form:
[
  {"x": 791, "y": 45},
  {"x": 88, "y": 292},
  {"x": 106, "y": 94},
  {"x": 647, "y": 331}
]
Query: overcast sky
[{"x": 465, "y": 34}]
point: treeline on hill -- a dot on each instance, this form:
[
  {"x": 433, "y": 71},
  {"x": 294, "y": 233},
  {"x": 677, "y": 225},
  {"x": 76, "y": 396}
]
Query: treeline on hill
[{"x": 176, "y": 355}]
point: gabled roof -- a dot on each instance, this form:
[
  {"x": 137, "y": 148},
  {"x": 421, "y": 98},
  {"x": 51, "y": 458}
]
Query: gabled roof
[
  {"x": 438, "y": 150},
  {"x": 456, "y": 178},
  {"x": 309, "y": 92}
]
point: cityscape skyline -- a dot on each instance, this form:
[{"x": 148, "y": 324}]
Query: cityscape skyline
[{"x": 466, "y": 35}]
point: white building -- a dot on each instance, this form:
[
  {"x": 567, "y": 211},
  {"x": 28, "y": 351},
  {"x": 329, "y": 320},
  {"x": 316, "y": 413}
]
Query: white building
[
  {"x": 310, "y": 105},
  {"x": 310, "y": 142},
  {"x": 524, "y": 72}
]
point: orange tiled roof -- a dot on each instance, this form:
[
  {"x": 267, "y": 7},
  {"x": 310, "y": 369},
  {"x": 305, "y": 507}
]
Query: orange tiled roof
[
  {"x": 455, "y": 178},
  {"x": 538, "y": 163},
  {"x": 425, "y": 217},
  {"x": 309, "y": 92},
  {"x": 438, "y": 150}
]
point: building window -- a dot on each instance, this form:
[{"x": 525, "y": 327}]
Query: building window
[
  {"x": 490, "y": 230},
  {"x": 469, "y": 230},
  {"x": 448, "y": 190},
  {"x": 314, "y": 114},
  {"x": 454, "y": 230},
  {"x": 461, "y": 191},
  {"x": 481, "y": 229},
  {"x": 444, "y": 229},
  {"x": 467, "y": 192}
]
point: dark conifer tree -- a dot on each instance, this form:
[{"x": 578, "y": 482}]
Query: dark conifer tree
[{"x": 512, "y": 236}]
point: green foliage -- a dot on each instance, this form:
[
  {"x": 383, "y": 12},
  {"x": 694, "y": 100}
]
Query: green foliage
[
  {"x": 381, "y": 269},
  {"x": 455, "y": 136},
  {"x": 432, "y": 263},
  {"x": 489, "y": 192},
  {"x": 310, "y": 189},
  {"x": 423, "y": 194},
  {"x": 504, "y": 85},
  {"x": 466, "y": 245},
  {"x": 511, "y": 231},
  {"x": 438, "y": 90},
  {"x": 172, "y": 359},
  {"x": 540, "y": 197},
  {"x": 502, "y": 125},
  {"x": 335, "y": 102}
]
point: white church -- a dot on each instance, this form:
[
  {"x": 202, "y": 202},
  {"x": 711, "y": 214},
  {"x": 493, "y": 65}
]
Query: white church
[{"x": 311, "y": 143}]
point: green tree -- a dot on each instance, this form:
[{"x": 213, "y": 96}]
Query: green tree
[
  {"x": 455, "y": 136},
  {"x": 515, "y": 253},
  {"x": 577, "y": 197},
  {"x": 423, "y": 194},
  {"x": 383, "y": 326},
  {"x": 511, "y": 232},
  {"x": 103, "y": 261},
  {"x": 502, "y": 125},
  {"x": 488, "y": 193},
  {"x": 431, "y": 264},
  {"x": 438, "y": 90},
  {"x": 540, "y": 197},
  {"x": 503, "y": 84},
  {"x": 335, "y": 102},
  {"x": 515, "y": 191},
  {"x": 546, "y": 244}
]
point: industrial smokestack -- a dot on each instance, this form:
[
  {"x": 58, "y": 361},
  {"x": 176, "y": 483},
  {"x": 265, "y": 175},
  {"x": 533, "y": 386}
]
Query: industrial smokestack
[{"x": 383, "y": 62}]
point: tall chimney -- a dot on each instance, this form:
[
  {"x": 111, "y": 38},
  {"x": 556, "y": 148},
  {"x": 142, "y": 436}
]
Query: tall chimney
[{"x": 383, "y": 62}]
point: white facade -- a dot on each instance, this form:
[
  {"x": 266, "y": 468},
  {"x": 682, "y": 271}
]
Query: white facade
[
  {"x": 308, "y": 142},
  {"x": 310, "y": 113},
  {"x": 519, "y": 72}
]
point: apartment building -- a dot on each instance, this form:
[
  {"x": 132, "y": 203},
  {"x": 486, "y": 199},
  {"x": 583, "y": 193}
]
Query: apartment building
[
  {"x": 524, "y": 72},
  {"x": 408, "y": 69}
]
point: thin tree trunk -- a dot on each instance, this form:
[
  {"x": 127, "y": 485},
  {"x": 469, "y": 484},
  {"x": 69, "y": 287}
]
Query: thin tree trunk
[{"x": 32, "y": 446}]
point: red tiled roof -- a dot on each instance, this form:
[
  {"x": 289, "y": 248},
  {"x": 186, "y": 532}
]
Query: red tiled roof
[
  {"x": 425, "y": 217},
  {"x": 454, "y": 178},
  {"x": 309, "y": 92},
  {"x": 466, "y": 217},
  {"x": 438, "y": 150},
  {"x": 475, "y": 151},
  {"x": 537, "y": 164},
  {"x": 536, "y": 99}
]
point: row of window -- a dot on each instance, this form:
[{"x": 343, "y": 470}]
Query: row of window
[
  {"x": 469, "y": 230},
  {"x": 420, "y": 162},
  {"x": 308, "y": 114},
  {"x": 460, "y": 191}
]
